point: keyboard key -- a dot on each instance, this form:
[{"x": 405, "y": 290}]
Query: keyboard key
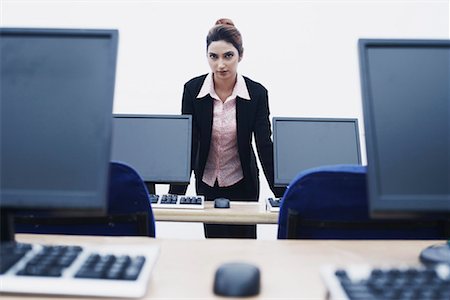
[
  {"x": 191, "y": 200},
  {"x": 50, "y": 261},
  {"x": 11, "y": 253},
  {"x": 153, "y": 198},
  {"x": 390, "y": 283},
  {"x": 273, "y": 204},
  {"x": 177, "y": 201},
  {"x": 114, "y": 271},
  {"x": 110, "y": 267}
]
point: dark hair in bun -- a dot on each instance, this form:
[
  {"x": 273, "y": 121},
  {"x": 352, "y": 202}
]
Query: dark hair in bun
[
  {"x": 224, "y": 21},
  {"x": 224, "y": 30}
]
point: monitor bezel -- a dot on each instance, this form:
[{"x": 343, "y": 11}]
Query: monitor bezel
[
  {"x": 185, "y": 179},
  {"x": 281, "y": 183},
  {"x": 382, "y": 206}
]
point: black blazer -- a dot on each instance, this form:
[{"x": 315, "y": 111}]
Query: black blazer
[{"x": 252, "y": 118}]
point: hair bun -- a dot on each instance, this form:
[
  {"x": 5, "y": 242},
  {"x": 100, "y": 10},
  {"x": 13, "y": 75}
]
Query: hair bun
[{"x": 224, "y": 21}]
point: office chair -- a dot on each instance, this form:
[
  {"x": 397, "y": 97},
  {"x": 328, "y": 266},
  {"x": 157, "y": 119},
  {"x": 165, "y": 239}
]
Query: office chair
[
  {"x": 330, "y": 202},
  {"x": 129, "y": 211}
]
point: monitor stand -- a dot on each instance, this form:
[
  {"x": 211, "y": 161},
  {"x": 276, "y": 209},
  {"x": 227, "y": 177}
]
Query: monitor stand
[
  {"x": 150, "y": 187},
  {"x": 7, "y": 225},
  {"x": 436, "y": 254}
]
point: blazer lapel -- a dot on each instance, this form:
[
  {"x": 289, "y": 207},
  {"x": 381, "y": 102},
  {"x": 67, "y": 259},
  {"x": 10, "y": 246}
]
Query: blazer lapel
[
  {"x": 205, "y": 109},
  {"x": 242, "y": 126}
]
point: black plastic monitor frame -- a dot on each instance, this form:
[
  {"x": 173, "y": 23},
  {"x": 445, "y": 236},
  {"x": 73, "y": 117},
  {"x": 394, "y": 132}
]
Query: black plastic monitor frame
[
  {"x": 94, "y": 203},
  {"x": 282, "y": 181},
  {"x": 62, "y": 201},
  {"x": 104, "y": 225},
  {"x": 384, "y": 206},
  {"x": 184, "y": 148}
]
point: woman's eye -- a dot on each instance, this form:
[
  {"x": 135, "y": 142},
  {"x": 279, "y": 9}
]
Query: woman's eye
[
  {"x": 212, "y": 56},
  {"x": 229, "y": 55}
]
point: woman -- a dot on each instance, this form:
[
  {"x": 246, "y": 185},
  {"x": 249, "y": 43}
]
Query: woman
[{"x": 227, "y": 109}]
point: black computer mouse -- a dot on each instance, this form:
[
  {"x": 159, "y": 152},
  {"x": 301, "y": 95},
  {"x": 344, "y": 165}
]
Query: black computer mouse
[
  {"x": 222, "y": 203},
  {"x": 237, "y": 280}
]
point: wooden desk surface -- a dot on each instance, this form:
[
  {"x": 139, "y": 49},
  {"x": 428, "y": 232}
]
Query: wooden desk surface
[
  {"x": 289, "y": 268},
  {"x": 238, "y": 213}
]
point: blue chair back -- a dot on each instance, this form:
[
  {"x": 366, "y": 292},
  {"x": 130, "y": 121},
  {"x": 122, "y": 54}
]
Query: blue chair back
[
  {"x": 129, "y": 211},
  {"x": 330, "y": 202},
  {"x": 128, "y": 194}
]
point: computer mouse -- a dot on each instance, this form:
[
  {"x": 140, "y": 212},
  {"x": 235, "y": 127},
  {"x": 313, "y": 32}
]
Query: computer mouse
[
  {"x": 237, "y": 280},
  {"x": 222, "y": 203}
]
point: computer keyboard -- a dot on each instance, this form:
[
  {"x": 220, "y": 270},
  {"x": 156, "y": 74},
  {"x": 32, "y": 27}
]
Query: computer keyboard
[
  {"x": 177, "y": 201},
  {"x": 400, "y": 282},
  {"x": 107, "y": 271},
  {"x": 273, "y": 204}
]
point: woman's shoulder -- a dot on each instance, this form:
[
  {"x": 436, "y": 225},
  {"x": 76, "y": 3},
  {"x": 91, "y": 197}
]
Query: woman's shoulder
[
  {"x": 196, "y": 81},
  {"x": 253, "y": 85}
]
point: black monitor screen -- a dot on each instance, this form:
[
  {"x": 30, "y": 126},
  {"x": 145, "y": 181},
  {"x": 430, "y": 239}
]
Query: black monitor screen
[
  {"x": 157, "y": 146},
  {"x": 57, "y": 88},
  {"x": 304, "y": 143},
  {"x": 405, "y": 86}
]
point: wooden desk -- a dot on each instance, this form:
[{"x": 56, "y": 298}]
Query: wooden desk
[
  {"x": 238, "y": 213},
  {"x": 289, "y": 268}
]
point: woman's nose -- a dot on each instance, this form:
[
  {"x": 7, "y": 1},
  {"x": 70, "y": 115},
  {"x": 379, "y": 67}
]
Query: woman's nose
[{"x": 221, "y": 63}]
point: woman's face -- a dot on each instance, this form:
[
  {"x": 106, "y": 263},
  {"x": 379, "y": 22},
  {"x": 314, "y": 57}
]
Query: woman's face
[{"x": 223, "y": 59}]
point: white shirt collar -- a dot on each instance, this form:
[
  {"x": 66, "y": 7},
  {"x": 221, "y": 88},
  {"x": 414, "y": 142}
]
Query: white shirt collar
[{"x": 240, "y": 88}]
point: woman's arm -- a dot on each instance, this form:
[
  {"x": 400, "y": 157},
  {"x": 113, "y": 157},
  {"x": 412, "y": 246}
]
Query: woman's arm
[
  {"x": 264, "y": 144},
  {"x": 187, "y": 109}
]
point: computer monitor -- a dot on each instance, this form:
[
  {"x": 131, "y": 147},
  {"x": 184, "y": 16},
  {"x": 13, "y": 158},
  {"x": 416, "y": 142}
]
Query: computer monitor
[
  {"x": 304, "y": 143},
  {"x": 57, "y": 88},
  {"x": 157, "y": 146},
  {"x": 406, "y": 101}
]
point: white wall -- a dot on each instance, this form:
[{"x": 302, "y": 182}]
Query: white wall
[{"x": 304, "y": 52}]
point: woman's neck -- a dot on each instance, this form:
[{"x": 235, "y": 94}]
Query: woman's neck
[{"x": 224, "y": 88}]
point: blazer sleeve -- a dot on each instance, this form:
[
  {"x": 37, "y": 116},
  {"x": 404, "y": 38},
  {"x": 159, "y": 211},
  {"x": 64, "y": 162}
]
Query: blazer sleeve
[
  {"x": 264, "y": 144},
  {"x": 187, "y": 108}
]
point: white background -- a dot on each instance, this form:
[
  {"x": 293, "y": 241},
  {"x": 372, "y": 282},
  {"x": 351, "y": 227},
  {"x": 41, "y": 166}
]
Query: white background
[{"x": 303, "y": 52}]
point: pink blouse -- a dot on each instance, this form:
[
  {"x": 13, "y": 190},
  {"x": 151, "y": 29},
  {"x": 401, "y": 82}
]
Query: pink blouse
[{"x": 223, "y": 162}]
